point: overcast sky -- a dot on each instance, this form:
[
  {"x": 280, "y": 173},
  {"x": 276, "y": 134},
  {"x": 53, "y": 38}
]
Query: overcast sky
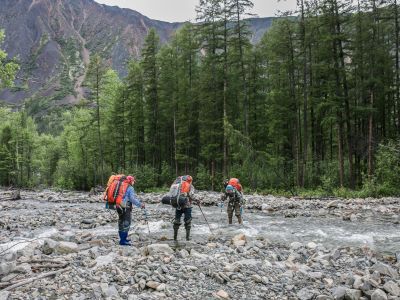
[{"x": 184, "y": 10}]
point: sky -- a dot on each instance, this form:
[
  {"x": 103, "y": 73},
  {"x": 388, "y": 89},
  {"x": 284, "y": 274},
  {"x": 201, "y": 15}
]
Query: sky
[{"x": 184, "y": 10}]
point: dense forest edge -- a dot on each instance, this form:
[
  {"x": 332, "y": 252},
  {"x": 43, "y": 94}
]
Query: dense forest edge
[{"x": 313, "y": 109}]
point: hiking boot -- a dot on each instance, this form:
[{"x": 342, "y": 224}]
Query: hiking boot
[
  {"x": 240, "y": 220},
  {"x": 187, "y": 232}
]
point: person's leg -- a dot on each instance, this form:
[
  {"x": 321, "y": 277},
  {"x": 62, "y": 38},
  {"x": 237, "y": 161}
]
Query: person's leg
[
  {"x": 188, "y": 221},
  {"x": 125, "y": 219},
  {"x": 237, "y": 213},
  {"x": 177, "y": 222},
  {"x": 230, "y": 213}
]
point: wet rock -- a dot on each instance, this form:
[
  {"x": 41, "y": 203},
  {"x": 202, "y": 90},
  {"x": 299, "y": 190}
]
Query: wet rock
[
  {"x": 156, "y": 249},
  {"x": 161, "y": 287},
  {"x": 378, "y": 295},
  {"x": 222, "y": 294},
  {"x": 392, "y": 288}
]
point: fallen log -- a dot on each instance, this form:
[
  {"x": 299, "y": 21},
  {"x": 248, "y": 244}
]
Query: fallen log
[{"x": 44, "y": 275}]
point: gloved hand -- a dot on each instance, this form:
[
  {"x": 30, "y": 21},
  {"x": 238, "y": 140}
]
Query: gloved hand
[
  {"x": 143, "y": 206},
  {"x": 222, "y": 197}
]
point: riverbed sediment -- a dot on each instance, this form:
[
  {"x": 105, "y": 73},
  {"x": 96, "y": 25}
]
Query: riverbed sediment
[{"x": 66, "y": 244}]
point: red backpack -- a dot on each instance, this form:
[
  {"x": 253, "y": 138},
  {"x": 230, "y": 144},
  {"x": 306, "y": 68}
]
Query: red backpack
[
  {"x": 116, "y": 189},
  {"x": 235, "y": 183}
]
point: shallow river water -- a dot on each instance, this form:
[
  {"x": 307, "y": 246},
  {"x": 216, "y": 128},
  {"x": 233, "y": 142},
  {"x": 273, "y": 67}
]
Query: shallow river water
[{"x": 331, "y": 232}]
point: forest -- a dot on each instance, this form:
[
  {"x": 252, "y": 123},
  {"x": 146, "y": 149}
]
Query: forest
[{"x": 313, "y": 108}]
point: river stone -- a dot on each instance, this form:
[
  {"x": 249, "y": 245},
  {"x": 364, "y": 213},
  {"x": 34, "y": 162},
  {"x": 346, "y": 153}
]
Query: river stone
[
  {"x": 305, "y": 294},
  {"x": 392, "y": 288},
  {"x": 323, "y": 297},
  {"x": 239, "y": 240},
  {"x": 256, "y": 278},
  {"x": 4, "y": 295},
  {"x": 184, "y": 253},
  {"x": 161, "y": 287},
  {"x": 222, "y": 294},
  {"x": 7, "y": 267},
  {"x": 311, "y": 245},
  {"x": 109, "y": 291},
  {"x": 296, "y": 245},
  {"x": 378, "y": 295},
  {"x": 155, "y": 249},
  {"x": 67, "y": 248},
  {"x": 339, "y": 292},
  {"x": 333, "y": 204},
  {"x": 385, "y": 269},
  {"x": 328, "y": 281},
  {"x": 152, "y": 284},
  {"x": 49, "y": 246},
  {"x": 352, "y": 294}
]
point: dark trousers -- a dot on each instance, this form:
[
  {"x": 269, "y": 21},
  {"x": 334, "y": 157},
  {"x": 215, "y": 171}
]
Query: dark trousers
[
  {"x": 183, "y": 211},
  {"x": 125, "y": 218},
  {"x": 233, "y": 207}
]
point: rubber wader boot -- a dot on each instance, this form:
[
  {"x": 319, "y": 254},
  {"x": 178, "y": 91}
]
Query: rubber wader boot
[
  {"x": 176, "y": 227},
  {"x": 187, "y": 232},
  {"x": 240, "y": 219},
  {"x": 123, "y": 240}
]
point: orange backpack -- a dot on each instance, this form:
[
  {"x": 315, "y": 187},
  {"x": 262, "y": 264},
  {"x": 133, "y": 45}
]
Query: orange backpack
[
  {"x": 116, "y": 189},
  {"x": 235, "y": 183}
]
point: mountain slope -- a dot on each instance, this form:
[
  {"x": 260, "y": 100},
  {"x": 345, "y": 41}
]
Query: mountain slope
[{"x": 53, "y": 40}]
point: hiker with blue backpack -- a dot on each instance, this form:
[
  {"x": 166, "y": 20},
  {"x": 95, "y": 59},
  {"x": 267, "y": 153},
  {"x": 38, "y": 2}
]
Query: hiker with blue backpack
[{"x": 235, "y": 199}]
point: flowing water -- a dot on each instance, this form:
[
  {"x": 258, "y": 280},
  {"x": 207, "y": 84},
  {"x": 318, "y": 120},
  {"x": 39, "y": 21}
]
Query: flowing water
[{"x": 331, "y": 232}]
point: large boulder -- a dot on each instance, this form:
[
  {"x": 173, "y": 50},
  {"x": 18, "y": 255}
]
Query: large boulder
[
  {"x": 392, "y": 288},
  {"x": 385, "y": 269},
  {"x": 378, "y": 295}
]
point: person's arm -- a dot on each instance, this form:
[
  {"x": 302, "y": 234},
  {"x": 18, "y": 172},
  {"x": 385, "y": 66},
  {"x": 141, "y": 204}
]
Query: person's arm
[{"x": 133, "y": 199}]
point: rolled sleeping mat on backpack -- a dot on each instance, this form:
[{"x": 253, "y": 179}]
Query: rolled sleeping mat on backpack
[{"x": 173, "y": 201}]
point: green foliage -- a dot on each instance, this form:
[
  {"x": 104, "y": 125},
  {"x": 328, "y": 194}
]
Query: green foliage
[{"x": 8, "y": 69}]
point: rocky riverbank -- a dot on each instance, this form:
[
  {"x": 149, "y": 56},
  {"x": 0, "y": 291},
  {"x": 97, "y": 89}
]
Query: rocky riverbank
[{"x": 64, "y": 246}]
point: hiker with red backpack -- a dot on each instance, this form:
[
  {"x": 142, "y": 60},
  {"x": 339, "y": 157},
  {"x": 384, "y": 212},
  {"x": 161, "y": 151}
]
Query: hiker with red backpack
[
  {"x": 120, "y": 195},
  {"x": 180, "y": 196},
  {"x": 233, "y": 192}
]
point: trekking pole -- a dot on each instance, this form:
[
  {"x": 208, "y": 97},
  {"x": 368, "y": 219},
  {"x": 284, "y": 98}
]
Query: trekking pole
[{"x": 198, "y": 203}]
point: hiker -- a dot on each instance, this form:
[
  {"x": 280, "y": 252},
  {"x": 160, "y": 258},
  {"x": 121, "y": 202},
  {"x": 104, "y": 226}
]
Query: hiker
[
  {"x": 235, "y": 203},
  {"x": 184, "y": 204},
  {"x": 121, "y": 195}
]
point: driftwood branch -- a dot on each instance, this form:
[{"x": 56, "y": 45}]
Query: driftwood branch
[{"x": 41, "y": 276}]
